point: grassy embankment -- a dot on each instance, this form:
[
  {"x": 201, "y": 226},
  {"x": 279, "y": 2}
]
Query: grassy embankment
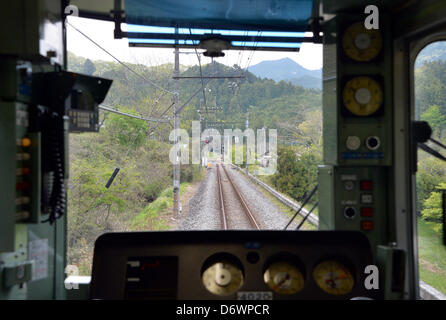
[
  {"x": 432, "y": 257},
  {"x": 155, "y": 216}
]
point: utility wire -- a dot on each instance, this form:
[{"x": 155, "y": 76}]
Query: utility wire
[
  {"x": 201, "y": 76},
  {"x": 109, "y": 109},
  {"x": 156, "y": 103},
  {"x": 120, "y": 62},
  {"x": 245, "y": 70},
  {"x": 157, "y": 124}
]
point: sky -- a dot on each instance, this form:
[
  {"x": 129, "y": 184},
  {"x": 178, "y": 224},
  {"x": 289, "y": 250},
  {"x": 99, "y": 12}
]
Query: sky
[{"x": 309, "y": 56}]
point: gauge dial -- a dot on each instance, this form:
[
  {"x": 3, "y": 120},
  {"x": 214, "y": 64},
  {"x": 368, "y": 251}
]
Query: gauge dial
[
  {"x": 284, "y": 278},
  {"x": 362, "y": 96},
  {"x": 222, "y": 278},
  {"x": 333, "y": 277},
  {"x": 361, "y": 44}
]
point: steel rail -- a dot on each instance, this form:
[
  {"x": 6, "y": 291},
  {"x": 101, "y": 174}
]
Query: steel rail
[
  {"x": 248, "y": 212},
  {"x": 224, "y": 221}
]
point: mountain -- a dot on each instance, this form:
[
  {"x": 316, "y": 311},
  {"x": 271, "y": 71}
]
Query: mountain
[{"x": 288, "y": 70}]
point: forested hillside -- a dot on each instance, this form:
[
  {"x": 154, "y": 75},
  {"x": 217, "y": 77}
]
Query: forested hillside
[
  {"x": 430, "y": 99},
  {"x": 430, "y": 105},
  {"x": 140, "y": 196}
]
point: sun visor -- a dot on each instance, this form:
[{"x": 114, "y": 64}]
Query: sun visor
[{"x": 240, "y": 24}]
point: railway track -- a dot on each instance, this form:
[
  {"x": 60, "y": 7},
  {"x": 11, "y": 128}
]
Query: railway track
[{"x": 234, "y": 210}]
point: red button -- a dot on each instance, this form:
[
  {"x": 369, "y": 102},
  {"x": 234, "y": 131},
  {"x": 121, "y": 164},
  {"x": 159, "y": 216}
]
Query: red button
[
  {"x": 366, "y": 212},
  {"x": 367, "y": 225},
  {"x": 22, "y": 186},
  {"x": 366, "y": 185}
]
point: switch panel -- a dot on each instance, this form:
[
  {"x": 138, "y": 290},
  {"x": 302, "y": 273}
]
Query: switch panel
[
  {"x": 353, "y": 200},
  {"x": 20, "y": 162}
]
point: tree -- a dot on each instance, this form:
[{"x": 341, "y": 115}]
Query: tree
[
  {"x": 433, "y": 212},
  {"x": 436, "y": 119},
  {"x": 296, "y": 173}
]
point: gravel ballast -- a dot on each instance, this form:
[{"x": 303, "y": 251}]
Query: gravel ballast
[{"x": 204, "y": 211}]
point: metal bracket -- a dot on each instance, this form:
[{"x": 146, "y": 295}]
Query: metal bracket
[{"x": 117, "y": 13}]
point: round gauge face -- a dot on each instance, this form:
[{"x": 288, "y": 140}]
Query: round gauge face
[
  {"x": 284, "y": 278},
  {"x": 333, "y": 277},
  {"x": 362, "y": 96},
  {"x": 222, "y": 278},
  {"x": 361, "y": 44}
]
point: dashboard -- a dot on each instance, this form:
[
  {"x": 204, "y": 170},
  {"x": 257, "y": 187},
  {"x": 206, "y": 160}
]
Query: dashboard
[{"x": 243, "y": 265}]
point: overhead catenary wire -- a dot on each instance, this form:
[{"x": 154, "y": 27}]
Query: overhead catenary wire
[
  {"x": 201, "y": 76},
  {"x": 245, "y": 70},
  {"x": 157, "y": 124},
  {"x": 149, "y": 119},
  {"x": 152, "y": 83}
]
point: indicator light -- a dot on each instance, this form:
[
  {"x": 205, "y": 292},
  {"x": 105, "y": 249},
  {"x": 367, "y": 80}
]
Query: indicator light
[
  {"x": 25, "y": 142},
  {"x": 23, "y": 156},
  {"x": 367, "y": 225},
  {"x": 366, "y": 185},
  {"x": 366, "y": 212},
  {"x": 366, "y": 198},
  {"x": 23, "y": 171},
  {"x": 22, "y": 186},
  {"x": 22, "y": 200}
]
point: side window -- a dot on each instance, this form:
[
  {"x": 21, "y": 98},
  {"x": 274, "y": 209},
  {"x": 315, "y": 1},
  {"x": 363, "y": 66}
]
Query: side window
[{"x": 430, "y": 106}]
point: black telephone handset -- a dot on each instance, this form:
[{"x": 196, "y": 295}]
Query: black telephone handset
[
  {"x": 53, "y": 200},
  {"x": 64, "y": 99}
]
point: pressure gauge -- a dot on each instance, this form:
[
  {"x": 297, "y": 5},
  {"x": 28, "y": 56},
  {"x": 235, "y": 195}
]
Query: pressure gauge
[
  {"x": 361, "y": 44},
  {"x": 284, "y": 278},
  {"x": 362, "y": 96},
  {"x": 222, "y": 278},
  {"x": 333, "y": 277}
]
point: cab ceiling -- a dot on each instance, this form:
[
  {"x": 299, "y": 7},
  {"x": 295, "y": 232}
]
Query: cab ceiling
[{"x": 96, "y": 9}]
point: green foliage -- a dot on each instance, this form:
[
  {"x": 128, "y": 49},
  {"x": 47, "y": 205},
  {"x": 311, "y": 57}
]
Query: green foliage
[
  {"x": 431, "y": 172},
  {"x": 126, "y": 131},
  {"x": 433, "y": 208},
  {"x": 430, "y": 100},
  {"x": 432, "y": 256},
  {"x": 152, "y": 216},
  {"x": 430, "y": 86},
  {"x": 141, "y": 195},
  {"x": 436, "y": 119},
  {"x": 296, "y": 173}
]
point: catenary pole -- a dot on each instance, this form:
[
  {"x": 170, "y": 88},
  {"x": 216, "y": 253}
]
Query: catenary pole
[{"x": 176, "y": 165}]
